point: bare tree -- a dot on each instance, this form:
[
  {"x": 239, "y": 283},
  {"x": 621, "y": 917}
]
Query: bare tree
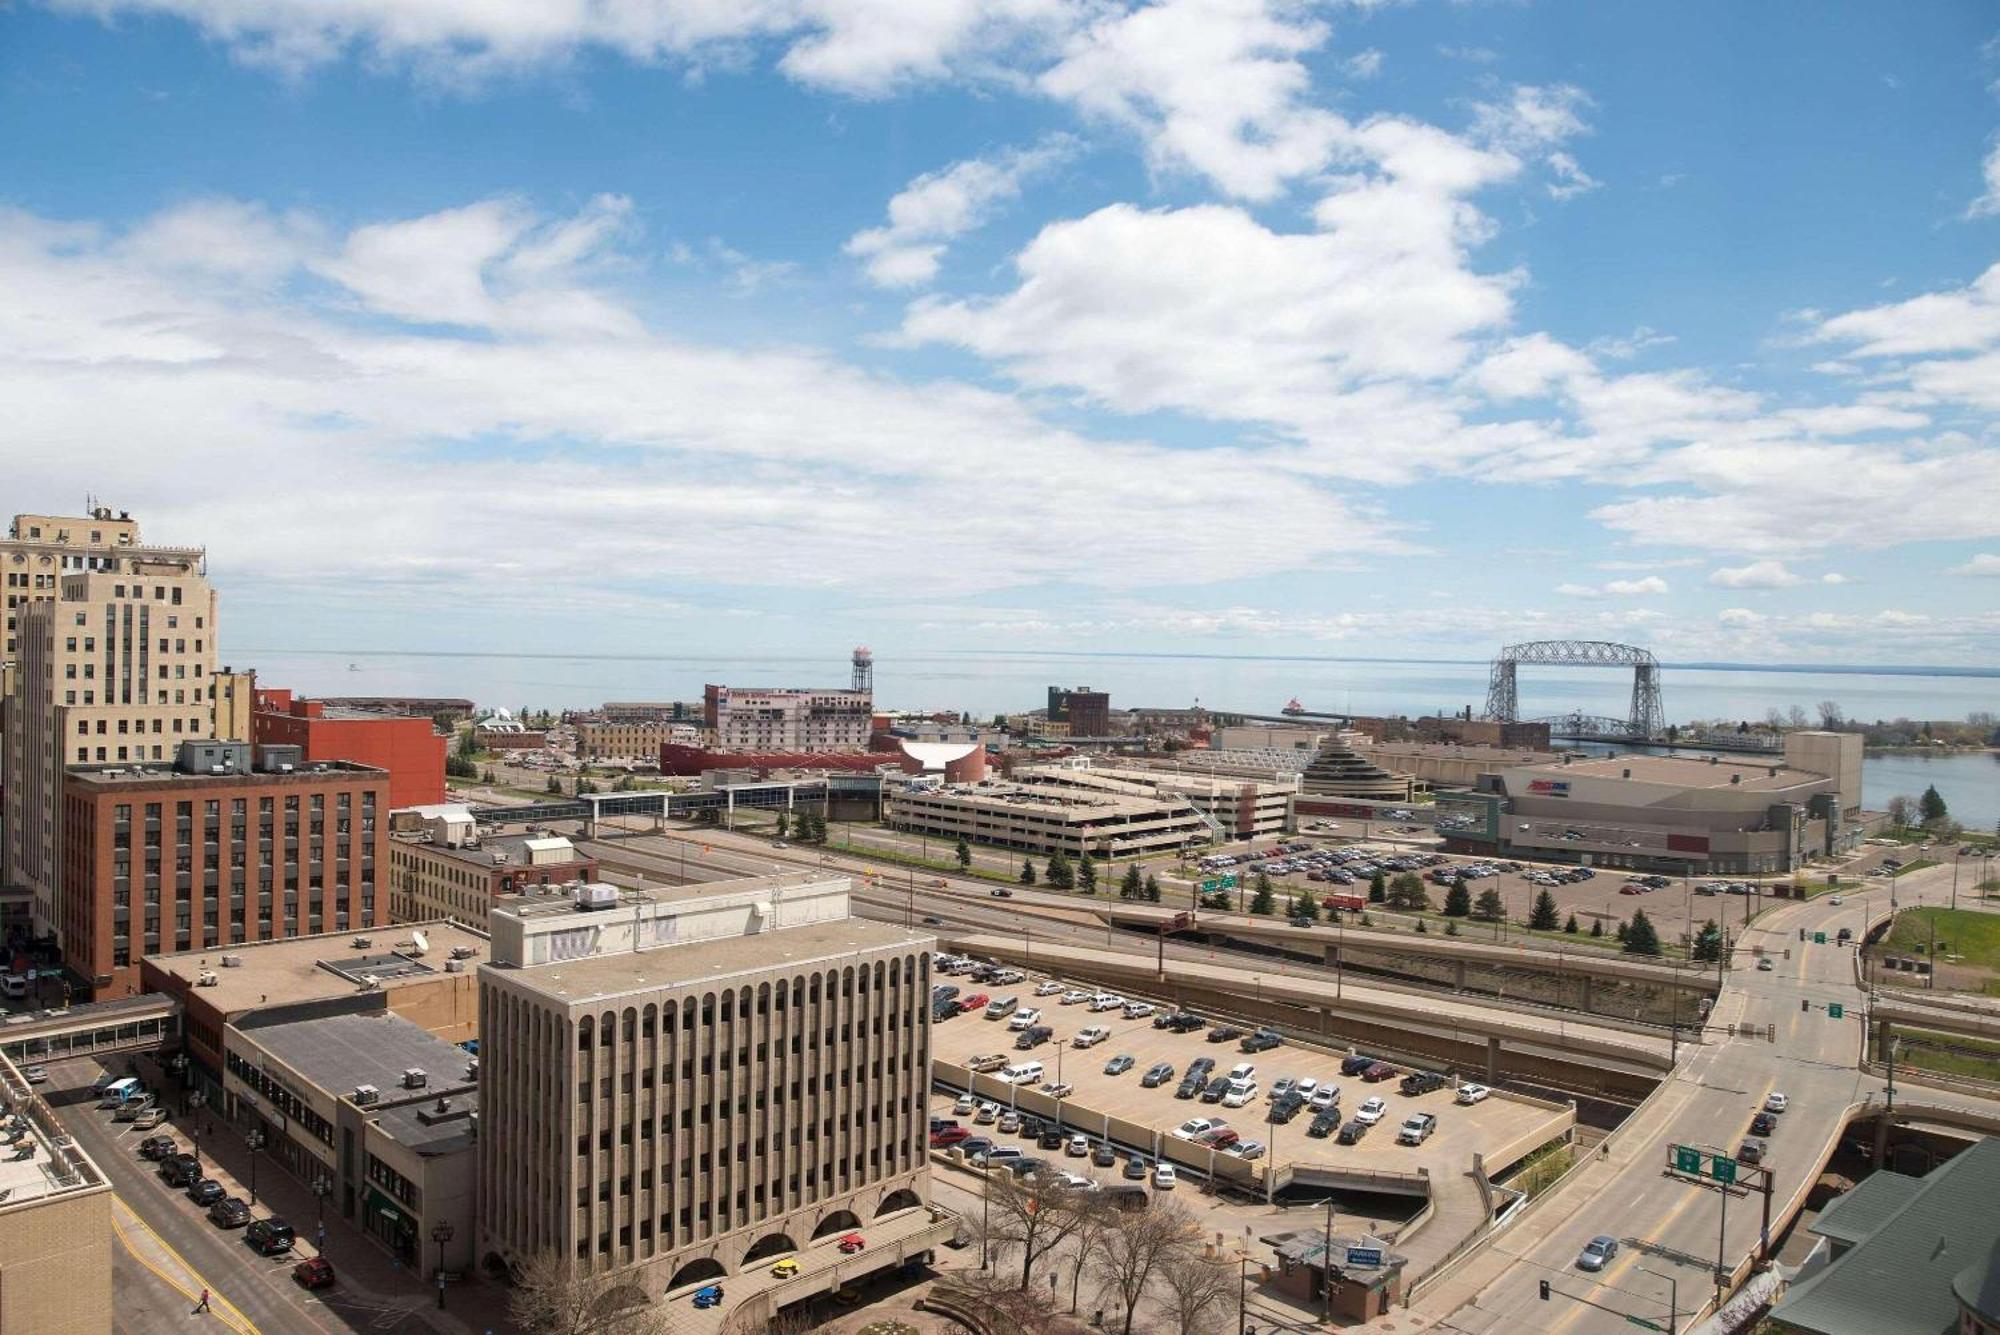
[
  {"x": 552, "y": 1297},
  {"x": 1139, "y": 1247},
  {"x": 1034, "y": 1214},
  {"x": 1796, "y": 717},
  {"x": 1094, "y": 1216},
  {"x": 1830, "y": 715},
  {"x": 1204, "y": 1292},
  {"x": 1902, "y": 810}
]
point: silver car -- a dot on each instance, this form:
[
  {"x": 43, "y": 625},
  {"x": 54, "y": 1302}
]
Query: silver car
[{"x": 1596, "y": 1252}]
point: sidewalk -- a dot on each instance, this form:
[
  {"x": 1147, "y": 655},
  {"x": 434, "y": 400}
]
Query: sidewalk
[{"x": 152, "y": 1251}]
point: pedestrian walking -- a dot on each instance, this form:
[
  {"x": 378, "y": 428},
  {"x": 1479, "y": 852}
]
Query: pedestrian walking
[{"x": 201, "y": 1306}]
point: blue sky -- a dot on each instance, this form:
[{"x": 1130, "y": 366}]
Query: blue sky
[{"x": 1216, "y": 325}]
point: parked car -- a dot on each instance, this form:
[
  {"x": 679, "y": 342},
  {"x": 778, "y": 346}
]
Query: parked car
[
  {"x": 270, "y": 1237},
  {"x": 1048, "y": 987},
  {"x": 180, "y": 1169},
  {"x": 1352, "y": 1131},
  {"x": 150, "y": 1118},
  {"x": 1119, "y": 1065},
  {"x": 1156, "y": 1075},
  {"x": 1058, "y": 1089},
  {"x": 158, "y": 1147},
  {"x": 1379, "y": 1072},
  {"x": 1138, "y": 1010},
  {"x": 1325, "y": 1097},
  {"x": 1078, "y": 1146},
  {"x": 1418, "y": 1083},
  {"x": 1164, "y": 1177},
  {"x": 1324, "y": 1125},
  {"x": 1194, "y": 1126},
  {"x": 1416, "y": 1130},
  {"x": 1033, "y": 1037},
  {"x": 1248, "y": 1149},
  {"x": 1470, "y": 1093},
  {"x": 229, "y": 1212},
  {"x": 35, "y": 1075},
  {"x": 1371, "y": 1111},
  {"x": 1224, "y": 1033},
  {"x": 1091, "y": 1037},
  {"x": 1104, "y": 1156},
  {"x": 945, "y": 1137},
  {"x": 205, "y": 1191},
  {"x": 1596, "y": 1252},
  {"x": 991, "y": 1061},
  {"x": 315, "y": 1272},
  {"x": 1135, "y": 1169},
  {"x": 966, "y": 1106},
  {"x": 1262, "y": 1041},
  {"x": 1052, "y": 1138},
  {"x": 1356, "y": 1064}
]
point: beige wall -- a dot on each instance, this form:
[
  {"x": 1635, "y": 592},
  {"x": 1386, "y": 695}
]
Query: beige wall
[{"x": 55, "y": 1266}]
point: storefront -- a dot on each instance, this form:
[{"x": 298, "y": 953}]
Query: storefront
[{"x": 391, "y": 1224}]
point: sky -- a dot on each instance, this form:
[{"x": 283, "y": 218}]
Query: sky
[{"x": 1212, "y": 326}]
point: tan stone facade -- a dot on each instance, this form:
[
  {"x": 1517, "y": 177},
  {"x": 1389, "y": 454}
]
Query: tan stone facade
[
  {"x": 55, "y": 1227},
  {"x": 689, "y": 1109},
  {"x": 628, "y": 741}
]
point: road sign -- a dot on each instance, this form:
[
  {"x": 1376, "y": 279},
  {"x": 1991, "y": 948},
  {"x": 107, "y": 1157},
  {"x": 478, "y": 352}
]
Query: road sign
[
  {"x": 1364, "y": 1256},
  {"x": 1687, "y": 1159},
  {"x": 1819, "y": 938},
  {"x": 1723, "y": 1170},
  {"x": 1835, "y": 1010}
]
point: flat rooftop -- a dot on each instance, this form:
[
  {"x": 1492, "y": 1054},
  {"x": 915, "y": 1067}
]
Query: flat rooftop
[
  {"x": 1074, "y": 803},
  {"x": 1497, "y": 755},
  {"x": 38, "y": 1159},
  {"x": 150, "y": 776},
  {"x": 306, "y": 968},
  {"x": 1681, "y": 771},
  {"x": 585, "y": 980},
  {"x": 338, "y": 1052},
  {"x": 514, "y": 849},
  {"x": 558, "y": 901}
]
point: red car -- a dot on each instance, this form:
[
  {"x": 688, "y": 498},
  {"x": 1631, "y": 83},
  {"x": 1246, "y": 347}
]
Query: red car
[
  {"x": 1379, "y": 1071},
  {"x": 1223, "y": 1139},
  {"x": 852, "y": 1243},
  {"x": 976, "y": 1002},
  {"x": 315, "y": 1272},
  {"x": 947, "y": 1136}
]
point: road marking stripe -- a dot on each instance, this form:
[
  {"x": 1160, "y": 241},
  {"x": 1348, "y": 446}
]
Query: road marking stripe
[{"x": 123, "y": 1215}]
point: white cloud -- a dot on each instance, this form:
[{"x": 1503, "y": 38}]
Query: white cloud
[
  {"x": 1739, "y": 616},
  {"x": 940, "y": 206},
  {"x": 1835, "y": 577},
  {"x": 1988, "y": 204},
  {"x": 1365, "y": 64},
  {"x": 1985, "y": 565},
  {"x": 1644, "y": 587},
  {"x": 1216, "y": 87},
  {"x": 1964, "y": 320},
  {"x": 1756, "y": 575},
  {"x": 471, "y": 374}
]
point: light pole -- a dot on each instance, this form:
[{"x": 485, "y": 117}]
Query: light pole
[
  {"x": 441, "y": 1234},
  {"x": 322, "y": 1187},
  {"x": 196, "y": 1101},
  {"x": 255, "y": 1140},
  {"x": 1673, "y": 1296}
]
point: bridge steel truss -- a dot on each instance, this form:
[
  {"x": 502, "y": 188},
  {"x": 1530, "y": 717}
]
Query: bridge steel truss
[{"x": 1647, "y": 720}]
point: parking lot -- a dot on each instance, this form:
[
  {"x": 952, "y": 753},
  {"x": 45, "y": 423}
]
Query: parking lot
[{"x": 1136, "y": 1119}]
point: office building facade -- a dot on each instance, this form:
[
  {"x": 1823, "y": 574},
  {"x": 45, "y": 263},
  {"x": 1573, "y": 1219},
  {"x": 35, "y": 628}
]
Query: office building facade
[
  {"x": 687, "y": 1082},
  {"x": 770, "y": 719}
]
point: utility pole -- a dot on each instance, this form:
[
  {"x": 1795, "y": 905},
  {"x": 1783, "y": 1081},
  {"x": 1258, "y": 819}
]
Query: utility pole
[{"x": 1326, "y": 1263}]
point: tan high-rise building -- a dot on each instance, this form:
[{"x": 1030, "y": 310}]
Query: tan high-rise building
[
  {"x": 115, "y": 663},
  {"x": 691, "y": 1082},
  {"x": 40, "y": 549}
]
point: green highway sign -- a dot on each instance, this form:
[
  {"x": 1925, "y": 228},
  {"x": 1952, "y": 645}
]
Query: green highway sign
[
  {"x": 1835, "y": 1010},
  {"x": 1723, "y": 1170},
  {"x": 1642, "y": 1323},
  {"x": 1819, "y": 938},
  {"x": 1687, "y": 1159}
]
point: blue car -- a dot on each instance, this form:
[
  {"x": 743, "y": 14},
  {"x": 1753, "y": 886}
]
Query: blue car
[{"x": 711, "y": 1296}]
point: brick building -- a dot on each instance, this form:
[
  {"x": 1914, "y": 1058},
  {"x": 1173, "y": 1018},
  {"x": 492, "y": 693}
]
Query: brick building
[
  {"x": 214, "y": 853},
  {"x": 410, "y": 748},
  {"x": 442, "y": 867}
]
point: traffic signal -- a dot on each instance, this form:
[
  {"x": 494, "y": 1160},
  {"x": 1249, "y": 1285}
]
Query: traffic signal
[
  {"x": 1804, "y": 1005},
  {"x": 1545, "y": 1290}
]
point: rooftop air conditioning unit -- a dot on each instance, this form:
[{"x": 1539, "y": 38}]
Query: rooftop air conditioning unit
[
  {"x": 414, "y": 1078},
  {"x": 472, "y": 1069},
  {"x": 499, "y": 858},
  {"x": 232, "y": 961},
  {"x": 454, "y": 966},
  {"x": 463, "y": 952},
  {"x": 369, "y": 982},
  {"x": 285, "y": 768},
  {"x": 366, "y": 1094},
  {"x": 207, "y": 978},
  {"x": 362, "y": 943}
]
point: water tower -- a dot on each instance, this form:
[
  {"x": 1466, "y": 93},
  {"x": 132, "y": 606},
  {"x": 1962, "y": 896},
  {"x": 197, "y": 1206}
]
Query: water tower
[{"x": 864, "y": 669}]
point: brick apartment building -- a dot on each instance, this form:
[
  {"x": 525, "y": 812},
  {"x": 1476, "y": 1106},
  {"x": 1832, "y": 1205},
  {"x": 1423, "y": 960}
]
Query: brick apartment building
[
  {"x": 214, "y": 853},
  {"x": 410, "y": 748}
]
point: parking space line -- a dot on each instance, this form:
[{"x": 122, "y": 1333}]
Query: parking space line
[{"x": 124, "y": 1218}]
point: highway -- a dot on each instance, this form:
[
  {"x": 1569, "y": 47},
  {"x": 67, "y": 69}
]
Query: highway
[{"x": 1669, "y": 1226}]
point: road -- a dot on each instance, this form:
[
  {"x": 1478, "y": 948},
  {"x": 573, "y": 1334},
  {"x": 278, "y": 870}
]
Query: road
[{"x": 1670, "y": 1226}]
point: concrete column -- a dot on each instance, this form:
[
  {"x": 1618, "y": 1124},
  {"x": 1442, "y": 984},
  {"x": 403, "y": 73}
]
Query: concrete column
[
  {"x": 1458, "y": 976},
  {"x": 1492, "y": 1058},
  {"x": 1587, "y": 990},
  {"x": 1332, "y": 955}
]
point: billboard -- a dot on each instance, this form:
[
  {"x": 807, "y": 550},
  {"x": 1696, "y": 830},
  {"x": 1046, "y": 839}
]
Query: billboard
[{"x": 1549, "y": 787}]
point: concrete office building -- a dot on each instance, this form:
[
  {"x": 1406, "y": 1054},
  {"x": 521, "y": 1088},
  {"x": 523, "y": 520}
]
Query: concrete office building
[
  {"x": 115, "y": 663},
  {"x": 441, "y": 866},
  {"x": 55, "y": 1223},
  {"x": 1664, "y": 813},
  {"x": 39, "y": 549},
  {"x": 1240, "y": 808},
  {"x": 213, "y": 852},
  {"x": 684, "y": 1082},
  {"x": 770, "y": 719},
  {"x": 1042, "y": 818}
]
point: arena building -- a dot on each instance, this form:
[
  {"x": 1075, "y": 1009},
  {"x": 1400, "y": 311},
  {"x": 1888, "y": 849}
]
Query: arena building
[{"x": 1677, "y": 814}]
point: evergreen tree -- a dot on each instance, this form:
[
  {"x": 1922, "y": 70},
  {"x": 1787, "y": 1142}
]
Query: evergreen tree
[
  {"x": 1569, "y": 925},
  {"x": 1542, "y": 918},
  {"x": 1490, "y": 908},
  {"x": 1264, "y": 901},
  {"x": 783, "y": 824},
  {"x": 1423, "y": 926},
  {"x": 964, "y": 852},
  {"x": 1153, "y": 889},
  {"x": 1378, "y": 888},
  {"x": 1624, "y": 931},
  {"x": 1451, "y": 927},
  {"x": 1061, "y": 875},
  {"x": 1597, "y": 927},
  {"x": 1931, "y": 806},
  {"x": 1708, "y": 942},
  {"x": 1086, "y": 875},
  {"x": 1643, "y": 938},
  {"x": 1133, "y": 886},
  {"x": 555, "y": 784},
  {"x": 458, "y": 765},
  {"x": 1027, "y": 872},
  {"x": 1457, "y": 901},
  {"x": 1308, "y": 907},
  {"x": 1406, "y": 892}
]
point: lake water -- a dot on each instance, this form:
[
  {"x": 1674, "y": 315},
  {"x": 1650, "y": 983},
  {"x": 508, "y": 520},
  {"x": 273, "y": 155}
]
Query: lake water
[{"x": 987, "y": 682}]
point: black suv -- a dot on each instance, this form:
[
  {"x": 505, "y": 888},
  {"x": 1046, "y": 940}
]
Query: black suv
[
  {"x": 1223, "y": 1033},
  {"x": 1215, "y": 1090},
  {"x": 205, "y": 1191},
  {"x": 1324, "y": 1125},
  {"x": 1052, "y": 1138},
  {"x": 180, "y": 1169},
  {"x": 1262, "y": 1041},
  {"x": 1285, "y": 1109},
  {"x": 1034, "y": 1036},
  {"x": 229, "y": 1213},
  {"x": 1356, "y": 1064},
  {"x": 1422, "y": 1082},
  {"x": 269, "y": 1237},
  {"x": 1189, "y": 1087},
  {"x": 1352, "y": 1132}
]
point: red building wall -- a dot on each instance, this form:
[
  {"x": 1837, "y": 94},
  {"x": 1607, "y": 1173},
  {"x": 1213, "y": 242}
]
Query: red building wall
[{"x": 409, "y": 748}]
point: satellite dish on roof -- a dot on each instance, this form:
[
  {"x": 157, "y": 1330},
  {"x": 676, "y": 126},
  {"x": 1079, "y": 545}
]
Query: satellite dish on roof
[{"x": 420, "y": 941}]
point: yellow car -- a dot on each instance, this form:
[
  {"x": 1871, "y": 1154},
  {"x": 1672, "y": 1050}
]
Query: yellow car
[{"x": 785, "y": 1268}]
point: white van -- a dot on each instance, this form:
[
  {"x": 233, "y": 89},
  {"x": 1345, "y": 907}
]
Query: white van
[
  {"x": 1240, "y": 1093},
  {"x": 119, "y": 1092},
  {"x": 1001, "y": 1008},
  {"x": 1242, "y": 1071},
  {"x": 1025, "y": 1073},
  {"x": 13, "y": 985}
]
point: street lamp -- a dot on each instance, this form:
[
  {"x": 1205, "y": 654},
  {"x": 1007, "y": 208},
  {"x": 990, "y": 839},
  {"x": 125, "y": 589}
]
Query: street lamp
[
  {"x": 196, "y": 1101},
  {"x": 255, "y": 1140},
  {"x": 322, "y": 1187},
  {"x": 1673, "y": 1296},
  {"x": 441, "y": 1234}
]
